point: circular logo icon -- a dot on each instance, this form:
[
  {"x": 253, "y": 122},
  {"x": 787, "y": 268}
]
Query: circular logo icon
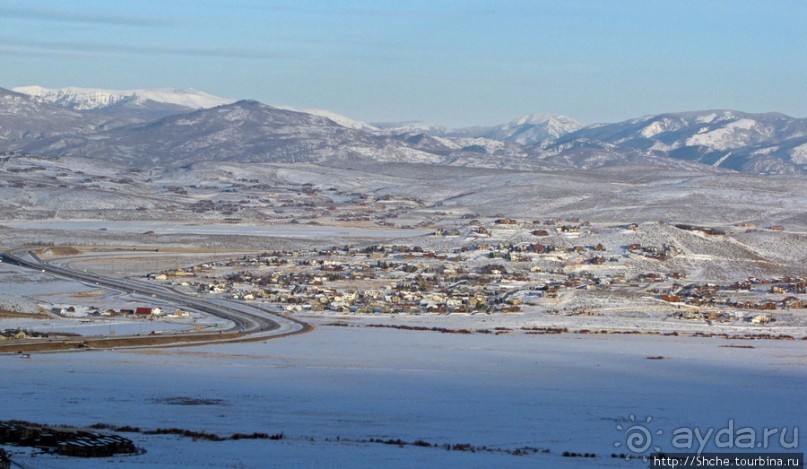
[{"x": 638, "y": 437}]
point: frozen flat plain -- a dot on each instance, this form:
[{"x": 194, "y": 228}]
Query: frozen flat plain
[
  {"x": 564, "y": 393},
  {"x": 285, "y": 231}
]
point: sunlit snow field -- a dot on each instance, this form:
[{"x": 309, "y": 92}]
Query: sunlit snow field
[{"x": 563, "y": 393}]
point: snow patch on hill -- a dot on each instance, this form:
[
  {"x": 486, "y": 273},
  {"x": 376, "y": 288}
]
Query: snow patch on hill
[
  {"x": 799, "y": 154},
  {"x": 661, "y": 126},
  {"x": 338, "y": 118},
  {"x": 534, "y": 128},
  {"x": 729, "y": 136},
  {"x": 706, "y": 118}
]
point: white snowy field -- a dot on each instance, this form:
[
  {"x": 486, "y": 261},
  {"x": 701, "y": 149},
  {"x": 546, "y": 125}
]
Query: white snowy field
[
  {"x": 108, "y": 327},
  {"x": 564, "y": 393},
  {"x": 285, "y": 231}
]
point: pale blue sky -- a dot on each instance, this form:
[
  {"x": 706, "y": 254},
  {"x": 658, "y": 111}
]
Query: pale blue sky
[{"x": 449, "y": 62}]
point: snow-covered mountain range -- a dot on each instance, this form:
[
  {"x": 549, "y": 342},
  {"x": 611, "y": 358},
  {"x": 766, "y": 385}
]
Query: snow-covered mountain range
[
  {"x": 756, "y": 143},
  {"x": 126, "y": 105},
  {"x": 180, "y": 127},
  {"x": 527, "y": 130},
  {"x": 532, "y": 129},
  {"x": 84, "y": 99}
]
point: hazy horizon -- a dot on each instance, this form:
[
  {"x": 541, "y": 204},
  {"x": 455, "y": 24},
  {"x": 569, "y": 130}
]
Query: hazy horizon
[{"x": 450, "y": 63}]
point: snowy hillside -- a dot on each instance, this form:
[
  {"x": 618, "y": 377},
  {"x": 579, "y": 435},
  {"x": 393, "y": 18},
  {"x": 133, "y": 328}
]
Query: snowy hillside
[
  {"x": 713, "y": 130},
  {"x": 533, "y": 129},
  {"x": 245, "y": 131},
  {"x": 84, "y": 99},
  {"x": 527, "y": 130},
  {"x": 25, "y": 121},
  {"x": 344, "y": 121},
  {"x": 757, "y": 143}
]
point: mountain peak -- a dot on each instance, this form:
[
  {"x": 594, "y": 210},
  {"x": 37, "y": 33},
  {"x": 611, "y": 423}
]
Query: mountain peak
[{"x": 535, "y": 129}]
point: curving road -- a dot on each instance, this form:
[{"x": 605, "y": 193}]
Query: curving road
[{"x": 250, "y": 322}]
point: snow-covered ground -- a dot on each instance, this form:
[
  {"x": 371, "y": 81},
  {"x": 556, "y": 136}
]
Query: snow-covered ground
[
  {"x": 286, "y": 231},
  {"x": 563, "y": 393}
]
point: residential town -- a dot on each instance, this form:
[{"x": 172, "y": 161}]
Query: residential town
[{"x": 495, "y": 266}]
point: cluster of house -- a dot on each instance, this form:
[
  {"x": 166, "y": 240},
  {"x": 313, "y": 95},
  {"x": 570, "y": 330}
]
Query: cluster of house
[
  {"x": 149, "y": 312},
  {"x": 224, "y": 206},
  {"x": 725, "y": 316},
  {"x": 659, "y": 253},
  {"x": 751, "y": 294},
  {"x": 476, "y": 274},
  {"x": 299, "y": 203},
  {"x": 398, "y": 279}
]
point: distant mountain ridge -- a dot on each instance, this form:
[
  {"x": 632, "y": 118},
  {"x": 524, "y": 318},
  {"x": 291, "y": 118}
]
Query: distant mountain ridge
[
  {"x": 526, "y": 130},
  {"x": 25, "y": 121},
  {"x": 154, "y": 127},
  {"x": 84, "y": 99},
  {"x": 533, "y": 129},
  {"x": 126, "y": 105},
  {"x": 755, "y": 143},
  {"x": 244, "y": 131}
]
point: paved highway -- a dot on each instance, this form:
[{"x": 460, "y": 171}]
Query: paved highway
[{"x": 250, "y": 322}]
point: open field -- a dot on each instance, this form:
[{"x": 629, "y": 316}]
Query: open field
[{"x": 332, "y": 390}]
